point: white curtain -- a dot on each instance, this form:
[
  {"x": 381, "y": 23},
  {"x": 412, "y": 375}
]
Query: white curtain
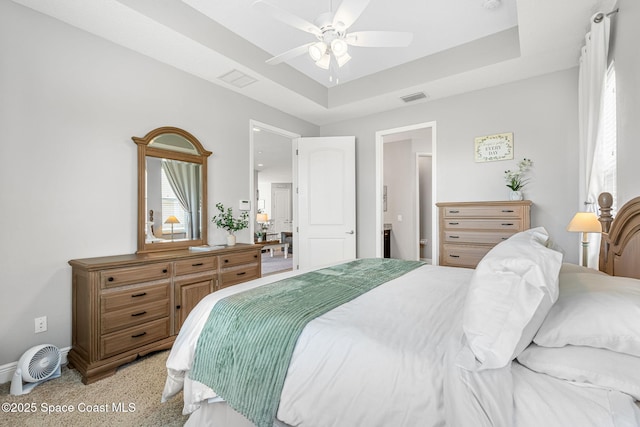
[
  {"x": 593, "y": 70},
  {"x": 185, "y": 179}
]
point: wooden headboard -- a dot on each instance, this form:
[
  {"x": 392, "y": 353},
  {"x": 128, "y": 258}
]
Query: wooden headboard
[{"x": 620, "y": 243}]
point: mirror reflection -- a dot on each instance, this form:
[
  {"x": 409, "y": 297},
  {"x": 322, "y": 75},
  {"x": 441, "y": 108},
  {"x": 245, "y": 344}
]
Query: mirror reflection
[{"x": 173, "y": 200}]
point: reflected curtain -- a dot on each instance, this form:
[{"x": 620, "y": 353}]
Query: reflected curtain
[
  {"x": 591, "y": 81},
  {"x": 184, "y": 179}
]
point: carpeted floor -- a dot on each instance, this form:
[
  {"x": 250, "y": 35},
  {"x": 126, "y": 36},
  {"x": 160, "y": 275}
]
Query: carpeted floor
[
  {"x": 276, "y": 264},
  {"x": 131, "y": 397}
]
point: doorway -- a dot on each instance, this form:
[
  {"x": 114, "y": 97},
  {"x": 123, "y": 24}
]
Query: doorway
[
  {"x": 272, "y": 180},
  {"x": 405, "y": 189}
]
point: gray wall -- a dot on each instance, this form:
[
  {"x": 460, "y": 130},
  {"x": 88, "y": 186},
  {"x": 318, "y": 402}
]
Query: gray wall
[
  {"x": 542, "y": 114},
  {"x": 69, "y": 105}
]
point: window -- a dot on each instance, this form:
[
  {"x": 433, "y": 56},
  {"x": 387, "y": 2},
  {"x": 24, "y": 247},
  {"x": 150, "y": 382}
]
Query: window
[
  {"x": 608, "y": 150},
  {"x": 171, "y": 206}
]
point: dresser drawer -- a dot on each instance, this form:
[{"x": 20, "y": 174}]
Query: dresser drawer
[
  {"x": 195, "y": 265},
  {"x": 462, "y": 256},
  {"x": 127, "y": 275},
  {"x": 239, "y": 259},
  {"x": 483, "y": 224},
  {"x": 134, "y": 296},
  {"x": 137, "y": 336},
  {"x": 236, "y": 275},
  {"x": 484, "y": 211},
  {"x": 493, "y": 238},
  {"x": 115, "y": 320}
]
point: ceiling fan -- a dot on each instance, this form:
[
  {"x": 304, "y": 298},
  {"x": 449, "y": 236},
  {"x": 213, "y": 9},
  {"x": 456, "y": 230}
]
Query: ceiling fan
[{"x": 331, "y": 32}]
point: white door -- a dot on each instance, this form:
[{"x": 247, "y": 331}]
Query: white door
[
  {"x": 326, "y": 201},
  {"x": 281, "y": 207}
]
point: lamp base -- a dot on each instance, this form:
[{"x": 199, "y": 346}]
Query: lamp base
[{"x": 585, "y": 250}]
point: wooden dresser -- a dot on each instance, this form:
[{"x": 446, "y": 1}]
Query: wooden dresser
[
  {"x": 468, "y": 230},
  {"x": 126, "y": 306}
]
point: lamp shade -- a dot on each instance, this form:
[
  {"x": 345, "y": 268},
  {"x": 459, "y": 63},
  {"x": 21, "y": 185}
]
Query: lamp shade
[
  {"x": 317, "y": 50},
  {"x": 172, "y": 220},
  {"x": 585, "y": 222},
  {"x": 339, "y": 47},
  {"x": 262, "y": 217}
]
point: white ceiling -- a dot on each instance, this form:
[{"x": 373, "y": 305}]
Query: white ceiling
[
  {"x": 436, "y": 26},
  {"x": 458, "y": 46}
]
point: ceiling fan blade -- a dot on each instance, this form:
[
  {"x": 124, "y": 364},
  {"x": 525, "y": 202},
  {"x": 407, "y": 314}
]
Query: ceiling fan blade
[
  {"x": 287, "y": 17},
  {"x": 379, "y": 38},
  {"x": 348, "y": 12},
  {"x": 292, "y": 53}
]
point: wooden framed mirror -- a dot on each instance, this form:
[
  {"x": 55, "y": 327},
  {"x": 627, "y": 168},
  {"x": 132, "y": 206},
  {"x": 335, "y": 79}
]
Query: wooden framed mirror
[{"x": 172, "y": 190}]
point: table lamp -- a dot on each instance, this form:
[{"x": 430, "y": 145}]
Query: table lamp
[
  {"x": 585, "y": 222},
  {"x": 172, "y": 220}
]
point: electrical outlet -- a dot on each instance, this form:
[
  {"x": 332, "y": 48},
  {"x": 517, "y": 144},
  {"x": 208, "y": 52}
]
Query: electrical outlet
[{"x": 41, "y": 324}]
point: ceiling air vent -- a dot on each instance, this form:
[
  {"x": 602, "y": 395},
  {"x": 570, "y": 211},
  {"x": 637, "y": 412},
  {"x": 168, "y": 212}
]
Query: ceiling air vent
[
  {"x": 414, "y": 97},
  {"x": 237, "y": 78}
]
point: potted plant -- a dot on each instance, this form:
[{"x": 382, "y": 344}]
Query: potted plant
[
  {"x": 224, "y": 219},
  {"x": 515, "y": 179}
]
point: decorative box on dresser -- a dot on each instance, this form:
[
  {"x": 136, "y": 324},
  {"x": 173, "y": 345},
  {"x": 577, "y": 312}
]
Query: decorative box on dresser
[
  {"x": 126, "y": 306},
  {"x": 468, "y": 230}
]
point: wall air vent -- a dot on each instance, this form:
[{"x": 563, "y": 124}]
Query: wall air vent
[
  {"x": 414, "y": 97},
  {"x": 237, "y": 78}
]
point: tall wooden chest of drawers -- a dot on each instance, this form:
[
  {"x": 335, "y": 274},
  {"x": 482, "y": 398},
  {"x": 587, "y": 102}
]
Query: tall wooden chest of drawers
[
  {"x": 468, "y": 230},
  {"x": 126, "y": 306}
]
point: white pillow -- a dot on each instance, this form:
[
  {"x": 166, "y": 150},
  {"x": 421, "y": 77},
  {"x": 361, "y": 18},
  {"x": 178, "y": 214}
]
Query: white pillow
[
  {"x": 603, "y": 368},
  {"x": 511, "y": 291},
  {"x": 596, "y": 311}
]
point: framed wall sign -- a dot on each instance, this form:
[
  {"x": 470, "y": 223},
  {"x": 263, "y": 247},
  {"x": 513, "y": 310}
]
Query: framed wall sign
[{"x": 494, "y": 147}]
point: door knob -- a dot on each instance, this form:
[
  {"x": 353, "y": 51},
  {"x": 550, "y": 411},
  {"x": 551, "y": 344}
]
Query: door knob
[{"x": 350, "y": 232}]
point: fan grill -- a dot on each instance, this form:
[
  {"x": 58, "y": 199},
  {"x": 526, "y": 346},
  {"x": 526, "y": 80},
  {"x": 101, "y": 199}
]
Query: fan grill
[{"x": 44, "y": 362}]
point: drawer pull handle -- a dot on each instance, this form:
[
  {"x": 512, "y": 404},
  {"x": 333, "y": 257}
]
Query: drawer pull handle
[
  {"x": 241, "y": 273},
  {"x": 255, "y": 256},
  {"x": 141, "y": 294},
  {"x": 454, "y": 237},
  {"x": 454, "y": 223},
  {"x": 139, "y": 314},
  {"x": 454, "y": 211},
  {"x": 164, "y": 270},
  {"x": 197, "y": 264},
  {"x": 110, "y": 279},
  {"x": 504, "y": 238},
  {"x": 139, "y": 335},
  {"x": 454, "y": 256},
  {"x": 178, "y": 307},
  {"x": 506, "y": 224},
  {"x": 226, "y": 261},
  {"x": 507, "y": 210}
]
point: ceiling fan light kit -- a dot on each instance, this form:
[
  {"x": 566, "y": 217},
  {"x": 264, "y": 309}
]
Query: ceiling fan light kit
[
  {"x": 339, "y": 47},
  {"x": 331, "y": 32},
  {"x": 317, "y": 50}
]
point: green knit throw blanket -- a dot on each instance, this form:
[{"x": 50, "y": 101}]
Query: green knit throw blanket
[{"x": 244, "y": 349}]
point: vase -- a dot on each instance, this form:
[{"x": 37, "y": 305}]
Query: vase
[
  {"x": 231, "y": 239},
  {"x": 516, "y": 195}
]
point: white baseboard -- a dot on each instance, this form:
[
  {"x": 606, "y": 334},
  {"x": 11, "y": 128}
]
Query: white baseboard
[{"x": 6, "y": 371}]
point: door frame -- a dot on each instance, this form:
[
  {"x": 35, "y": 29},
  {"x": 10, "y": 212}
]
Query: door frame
[
  {"x": 294, "y": 168},
  {"x": 418, "y": 155},
  {"x": 379, "y": 216}
]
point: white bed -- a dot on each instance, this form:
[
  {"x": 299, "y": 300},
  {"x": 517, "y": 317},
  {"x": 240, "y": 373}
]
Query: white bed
[{"x": 440, "y": 346}]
